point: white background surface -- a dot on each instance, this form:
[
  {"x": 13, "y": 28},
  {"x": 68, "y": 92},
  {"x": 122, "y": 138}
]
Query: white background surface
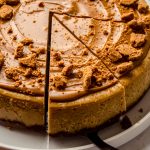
[{"x": 141, "y": 142}]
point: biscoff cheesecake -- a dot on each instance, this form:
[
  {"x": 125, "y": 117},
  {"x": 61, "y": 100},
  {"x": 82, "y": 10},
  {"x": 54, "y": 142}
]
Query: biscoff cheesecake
[{"x": 99, "y": 63}]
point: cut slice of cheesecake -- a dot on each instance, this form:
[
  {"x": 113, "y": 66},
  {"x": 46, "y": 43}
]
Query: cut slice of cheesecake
[
  {"x": 126, "y": 48},
  {"x": 89, "y": 110}
]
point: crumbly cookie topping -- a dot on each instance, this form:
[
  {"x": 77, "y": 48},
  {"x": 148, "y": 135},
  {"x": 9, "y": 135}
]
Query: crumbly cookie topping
[
  {"x": 128, "y": 2},
  {"x": 6, "y": 12},
  {"x": 1, "y": 59},
  {"x": 125, "y": 67},
  {"x": 59, "y": 82},
  {"x": 12, "y": 2},
  {"x": 27, "y": 41},
  {"x": 137, "y": 40},
  {"x": 13, "y": 73},
  {"x": 28, "y": 61},
  {"x": 19, "y": 51},
  {"x": 128, "y": 16},
  {"x": 37, "y": 50},
  {"x": 56, "y": 56},
  {"x": 143, "y": 8},
  {"x": 2, "y": 2},
  {"x": 87, "y": 80},
  {"x": 115, "y": 56},
  {"x": 136, "y": 25},
  {"x": 67, "y": 71}
]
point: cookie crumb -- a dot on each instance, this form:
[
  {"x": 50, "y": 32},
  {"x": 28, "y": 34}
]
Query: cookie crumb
[
  {"x": 87, "y": 78},
  {"x": 56, "y": 56},
  {"x": 19, "y": 51},
  {"x": 1, "y": 59},
  {"x": 2, "y": 2},
  {"x": 27, "y": 41},
  {"x": 61, "y": 64},
  {"x": 137, "y": 26},
  {"x": 28, "y": 61},
  {"x": 124, "y": 67},
  {"x": 41, "y": 4},
  {"x": 84, "y": 53},
  {"x": 143, "y": 8},
  {"x": 128, "y": 2},
  {"x": 28, "y": 72},
  {"x": 127, "y": 17},
  {"x": 10, "y": 30},
  {"x": 12, "y": 73},
  {"x": 105, "y": 32},
  {"x": 79, "y": 74},
  {"x": 137, "y": 40},
  {"x": 67, "y": 71},
  {"x": 12, "y": 2},
  {"x": 59, "y": 82},
  {"x": 36, "y": 73},
  {"x": 136, "y": 55},
  {"x": 14, "y": 38},
  {"x": 37, "y": 50},
  {"x": 115, "y": 56},
  {"x": 6, "y": 12}
]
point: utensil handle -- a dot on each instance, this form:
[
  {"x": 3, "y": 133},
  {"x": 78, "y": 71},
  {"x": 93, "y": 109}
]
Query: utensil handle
[{"x": 99, "y": 142}]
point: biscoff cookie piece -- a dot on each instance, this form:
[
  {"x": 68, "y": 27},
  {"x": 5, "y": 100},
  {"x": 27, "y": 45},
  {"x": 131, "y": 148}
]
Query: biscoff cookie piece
[
  {"x": 143, "y": 8},
  {"x": 1, "y": 59},
  {"x": 6, "y": 12},
  {"x": 2, "y": 2},
  {"x": 137, "y": 40},
  {"x": 12, "y": 2},
  {"x": 128, "y": 2}
]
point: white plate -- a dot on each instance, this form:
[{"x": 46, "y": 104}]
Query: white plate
[{"x": 28, "y": 139}]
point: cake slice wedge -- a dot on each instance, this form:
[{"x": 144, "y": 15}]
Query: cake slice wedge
[
  {"x": 86, "y": 112},
  {"x": 89, "y": 111}
]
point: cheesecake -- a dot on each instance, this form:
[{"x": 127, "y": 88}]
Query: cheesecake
[{"x": 99, "y": 63}]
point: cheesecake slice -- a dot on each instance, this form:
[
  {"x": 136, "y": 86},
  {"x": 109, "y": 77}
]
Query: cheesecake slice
[{"x": 83, "y": 101}]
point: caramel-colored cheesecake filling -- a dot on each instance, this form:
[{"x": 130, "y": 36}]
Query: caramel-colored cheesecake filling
[{"x": 117, "y": 34}]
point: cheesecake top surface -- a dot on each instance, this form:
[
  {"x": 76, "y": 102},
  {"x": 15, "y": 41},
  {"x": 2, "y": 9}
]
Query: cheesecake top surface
[{"x": 107, "y": 40}]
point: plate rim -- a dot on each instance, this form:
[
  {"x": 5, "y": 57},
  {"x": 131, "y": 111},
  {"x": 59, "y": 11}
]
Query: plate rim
[{"x": 116, "y": 140}]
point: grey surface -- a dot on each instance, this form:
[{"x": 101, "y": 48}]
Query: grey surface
[{"x": 141, "y": 142}]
